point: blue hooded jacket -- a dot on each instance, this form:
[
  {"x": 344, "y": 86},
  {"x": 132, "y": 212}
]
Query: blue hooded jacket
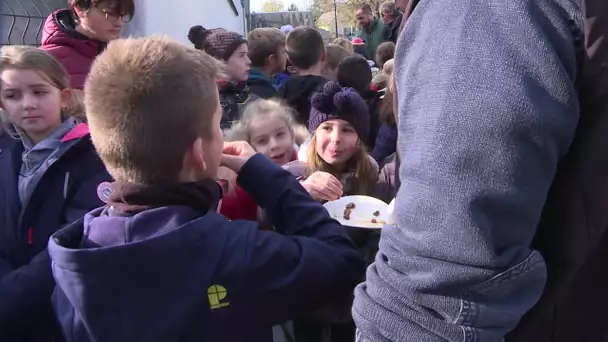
[
  {"x": 66, "y": 190},
  {"x": 261, "y": 85},
  {"x": 174, "y": 274}
]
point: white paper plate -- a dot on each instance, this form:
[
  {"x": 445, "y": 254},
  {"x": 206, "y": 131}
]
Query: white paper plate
[
  {"x": 390, "y": 213},
  {"x": 363, "y": 213}
]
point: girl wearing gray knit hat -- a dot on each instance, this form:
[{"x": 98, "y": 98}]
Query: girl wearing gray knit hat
[
  {"x": 231, "y": 48},
  {"x": 337, "y": 163}
]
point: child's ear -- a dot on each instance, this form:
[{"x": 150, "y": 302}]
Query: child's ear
[
  {"x": 324, "y": 56},
  {"x": 271, "y": 59},
  {"x": 193, "y": 164},
  {"x": 66, "y": 96}
]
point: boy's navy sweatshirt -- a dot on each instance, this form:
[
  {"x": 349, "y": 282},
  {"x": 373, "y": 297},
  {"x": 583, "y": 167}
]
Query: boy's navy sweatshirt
[{"x": 175, "y": 274}]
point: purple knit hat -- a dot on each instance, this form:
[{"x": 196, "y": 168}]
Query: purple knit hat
[
  {"x": 219, "y": 43},
  {"x": 335, "y": 102}
]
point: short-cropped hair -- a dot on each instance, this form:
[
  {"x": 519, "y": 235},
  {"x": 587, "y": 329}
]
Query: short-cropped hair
[
  {"x": 305, "y": 47},
  {"x": 263, "y": 42},
  {"x": 354, "y": 72},
  {"x": 147, "y": 100}
]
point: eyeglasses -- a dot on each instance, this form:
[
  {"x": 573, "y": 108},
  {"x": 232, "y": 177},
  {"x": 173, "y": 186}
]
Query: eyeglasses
[{"x": 113, "y": 16}]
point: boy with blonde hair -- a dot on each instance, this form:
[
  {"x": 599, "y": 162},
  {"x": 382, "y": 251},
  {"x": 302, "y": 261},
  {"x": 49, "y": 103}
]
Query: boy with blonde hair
[
  {"x": 158, "y": 263},
  {"x": 268, "y": 57}
]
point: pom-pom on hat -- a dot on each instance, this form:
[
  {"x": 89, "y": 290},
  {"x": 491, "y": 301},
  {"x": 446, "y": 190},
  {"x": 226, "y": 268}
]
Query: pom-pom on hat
[
  {"x": 286, "y": 29},
  {"x": 335, "y": 102},
  {"x": 358, "y": 41},
  {"x": 219, "y": 43}
]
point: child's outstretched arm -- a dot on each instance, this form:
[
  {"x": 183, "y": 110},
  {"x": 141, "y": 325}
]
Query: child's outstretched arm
[{"x": 309, "y": 262}]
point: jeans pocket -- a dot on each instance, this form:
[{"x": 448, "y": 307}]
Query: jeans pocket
[{"x": 494, "y": 307}]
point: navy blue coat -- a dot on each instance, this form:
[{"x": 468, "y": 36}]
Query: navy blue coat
[
  {"x": 66, "y": 191},
  {"x": 175, "y": 274},
  {"x": 386, "y": 143}
]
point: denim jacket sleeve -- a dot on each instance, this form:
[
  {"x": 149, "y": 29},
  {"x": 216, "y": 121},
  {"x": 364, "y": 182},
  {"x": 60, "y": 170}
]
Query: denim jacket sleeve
[{"x": 489, "y": 91}]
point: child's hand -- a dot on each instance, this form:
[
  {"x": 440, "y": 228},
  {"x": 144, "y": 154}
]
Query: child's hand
[
  {"x": 236, "y": 154},
  {"x": 323, "y": 186},
  {"x": 229, "y": 176}
]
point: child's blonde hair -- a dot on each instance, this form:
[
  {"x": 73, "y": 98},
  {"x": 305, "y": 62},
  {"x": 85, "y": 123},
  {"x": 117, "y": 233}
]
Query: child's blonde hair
[
  {"x": 240, "y": 130},
  {"x": 345, "y": 43},
  {"x": 24, "y": 57},
  {"x": 335, "y": 55},
  {"x": 364, "y": 174},
  {"x": 389, "y": 67}
]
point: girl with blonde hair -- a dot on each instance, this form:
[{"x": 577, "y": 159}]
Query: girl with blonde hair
[
  {"x": 345, "y": 43},
  {"x": 337, "y": 163},
  {"x": 50, "y": 176},
  {"x": 269, "y": 127}
]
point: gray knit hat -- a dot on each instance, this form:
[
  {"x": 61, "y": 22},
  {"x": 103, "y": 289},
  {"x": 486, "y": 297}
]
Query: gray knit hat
[{"x": 219, "y": 43}]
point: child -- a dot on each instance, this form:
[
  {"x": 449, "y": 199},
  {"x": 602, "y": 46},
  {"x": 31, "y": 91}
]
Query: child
[
  {"x": 269, "y": 128},
  {"x": 385, "y": 52},
  {"x": 359, "y": 48},
  {"x": 306, "y": 52},
  {"x": 283, "y": 76},
  {"x": 335, "y": 55},
  {"x": 354, "y": 72},
  {"x": 386, "y": 141},
  {"x": 267, "y": 54},
  {"x": 158, "y": 263},
  {"x": 290, "y": 70},
  {"x": 231, "y": 48},
  {"x": 388, "y": 67},
  {"x": 345, "y": 43},
  {"x": 386, "y": 144},
  {"x": 50, "y": 175},
  {"x": 337, "y": 166}
]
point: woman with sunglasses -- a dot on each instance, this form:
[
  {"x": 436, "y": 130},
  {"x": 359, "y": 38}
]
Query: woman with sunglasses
[{"x": 76, "y": 35}]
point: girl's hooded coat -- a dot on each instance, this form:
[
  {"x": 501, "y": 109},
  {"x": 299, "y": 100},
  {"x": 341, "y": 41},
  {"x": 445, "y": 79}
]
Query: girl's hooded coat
[{"x": 72, "y": 182}]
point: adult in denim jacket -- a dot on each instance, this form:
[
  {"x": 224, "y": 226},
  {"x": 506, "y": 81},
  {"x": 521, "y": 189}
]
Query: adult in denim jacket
[{"x": 506, "y": 120}]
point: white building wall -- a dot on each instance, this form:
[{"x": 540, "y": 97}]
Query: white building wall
[{"x": 175, "y": 17}]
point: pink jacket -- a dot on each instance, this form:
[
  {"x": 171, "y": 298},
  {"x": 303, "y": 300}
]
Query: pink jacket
[{"x": 71, "y": 48}]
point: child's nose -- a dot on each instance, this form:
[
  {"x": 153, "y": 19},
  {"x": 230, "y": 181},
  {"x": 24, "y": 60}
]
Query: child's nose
[
  {"x": 273, "y": 143},
  {"x": 335, "y": 136},
  {"x": 29, "y": 102}
]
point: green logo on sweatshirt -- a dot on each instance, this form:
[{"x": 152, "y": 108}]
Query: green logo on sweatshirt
[{"x": 216, "y": 294}]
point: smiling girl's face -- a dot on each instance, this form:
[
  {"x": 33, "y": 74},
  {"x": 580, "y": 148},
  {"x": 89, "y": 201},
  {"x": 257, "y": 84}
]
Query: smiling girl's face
[
  {"x": 336, "y": 141},
  {"x": 31, "y": 102},
  {"x": 271, "y": 136}
]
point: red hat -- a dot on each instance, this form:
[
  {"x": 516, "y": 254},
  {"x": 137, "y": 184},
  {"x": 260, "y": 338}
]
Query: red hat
[{"x": 358, "y": 41}]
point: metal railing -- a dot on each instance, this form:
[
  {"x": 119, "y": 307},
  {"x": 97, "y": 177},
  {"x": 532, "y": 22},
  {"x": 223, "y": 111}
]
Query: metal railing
[{"x": 21, "y": 21}]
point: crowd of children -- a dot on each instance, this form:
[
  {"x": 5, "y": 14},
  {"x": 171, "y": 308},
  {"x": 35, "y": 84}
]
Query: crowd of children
[
  {"x": 311, "y": 113},
  {"x": 156, "y": 191}
]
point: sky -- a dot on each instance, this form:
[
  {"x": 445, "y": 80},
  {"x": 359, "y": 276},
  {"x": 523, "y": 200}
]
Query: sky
[{"x": 256, "y": 5}]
